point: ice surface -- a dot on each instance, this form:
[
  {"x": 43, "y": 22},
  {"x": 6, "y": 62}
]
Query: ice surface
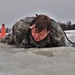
[{"x": 37, "y": 61}]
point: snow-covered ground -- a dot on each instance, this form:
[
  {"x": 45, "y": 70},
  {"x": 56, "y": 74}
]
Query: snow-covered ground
[
  {"x": 70, "y": 31},
  {"x": 71, "y": 36}
]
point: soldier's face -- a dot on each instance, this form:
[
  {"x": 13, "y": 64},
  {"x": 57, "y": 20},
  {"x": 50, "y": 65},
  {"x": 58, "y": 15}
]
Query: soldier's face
[{"x": 39, "y": 36}]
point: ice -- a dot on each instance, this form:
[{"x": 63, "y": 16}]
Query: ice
[{"x": 37, "y": 61}]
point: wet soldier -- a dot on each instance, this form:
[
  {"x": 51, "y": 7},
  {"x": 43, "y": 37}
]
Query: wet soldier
[{"x": 39, "y": 32}]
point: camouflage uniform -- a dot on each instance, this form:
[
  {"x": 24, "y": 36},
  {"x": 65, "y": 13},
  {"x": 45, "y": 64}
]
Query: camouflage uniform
[{"x": 22, "y": 35}]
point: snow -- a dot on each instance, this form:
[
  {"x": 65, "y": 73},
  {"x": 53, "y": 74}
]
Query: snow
[{"x": 71, "y": 36}]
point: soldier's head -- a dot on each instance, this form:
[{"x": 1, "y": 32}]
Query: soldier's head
[{"x": 40, "y": 27}]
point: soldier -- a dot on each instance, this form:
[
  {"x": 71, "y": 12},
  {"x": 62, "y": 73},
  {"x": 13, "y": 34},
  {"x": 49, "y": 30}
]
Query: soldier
[{"x": 39, "y": 31}]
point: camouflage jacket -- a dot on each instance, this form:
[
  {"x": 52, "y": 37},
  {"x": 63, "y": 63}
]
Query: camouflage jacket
[{"x": 21, "y": 35}]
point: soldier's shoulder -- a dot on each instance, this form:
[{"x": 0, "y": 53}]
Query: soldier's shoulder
[
  {"x": 23, "y": 22},
  {"x": 28, "y": 19},
  {"x": 54, "y": 23},
  {"x": 55, "y": 26},
  {"x": 57, "y": 34}
]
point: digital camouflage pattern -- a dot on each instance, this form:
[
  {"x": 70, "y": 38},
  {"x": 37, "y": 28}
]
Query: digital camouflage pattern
[
  {"x": 21, "y": 35},
  {"x": 20, "y": 32},
  {"x": 57, "y": 34}
]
